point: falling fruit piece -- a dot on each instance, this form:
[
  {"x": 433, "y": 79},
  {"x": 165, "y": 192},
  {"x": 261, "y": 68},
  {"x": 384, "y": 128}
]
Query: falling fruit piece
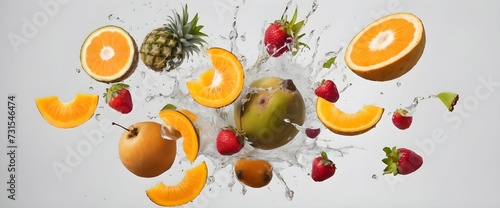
[
  {"x": 69, "y": 114},
  {"x": 183, "y": 124},
  {"x": 387, "y": 48},
  {"x": 449, "y": 99},
  {"x": 347, "y": 124},
  {"x": 221, "y": 85},
  {"x": 185, "y": 191},
  {"x": 253, "y": 173},
  {"x": 312, "y": 133},
  {"x": 109, "y": 54},
  {"x": 402, "y": 119}
]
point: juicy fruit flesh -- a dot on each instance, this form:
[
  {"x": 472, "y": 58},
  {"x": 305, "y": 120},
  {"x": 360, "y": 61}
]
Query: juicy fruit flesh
[
  {"x": 221, "y": 85},
  {"x": 262, "y": 117},
  {"x": 185, "y": 191},
  {"x": 146, "y": 154},
  {"x": 387, "y": 48},
  {"x": 109, "y": 54},
  {"x": 184, "y": 125},
  {"x": 253, "y": 173},
  {"x": 69, "y": 114},
  {"x": 347, "y": 123}
]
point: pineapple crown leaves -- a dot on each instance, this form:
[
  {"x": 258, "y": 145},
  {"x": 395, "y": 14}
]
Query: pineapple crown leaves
[
  {"x": 391, "y": 160},
  {"x": 292, "y": 29},
  {"x": 187, "y": 31},
  {"x": 324, "y": 159},
  {"x": 113, "y": 90}
]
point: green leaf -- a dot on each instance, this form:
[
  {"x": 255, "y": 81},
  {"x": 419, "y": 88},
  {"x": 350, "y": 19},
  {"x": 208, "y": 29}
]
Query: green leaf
[
  {"x": 294, "y": 18},
  {"x": 329, "y": 62},
  {"x": 169, "y": 107},
  {"x": 298, "y": 26}
]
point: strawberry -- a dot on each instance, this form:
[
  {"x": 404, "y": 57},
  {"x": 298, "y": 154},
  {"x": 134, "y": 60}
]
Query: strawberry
[
  {"x": 328, "y": 91},
  {"x": 283, "y": 35},
  {"x": 401, "y": 161},
  {"x": 322, "y": 168},
  {"x": 312, "y": 133},
  {"x": 229, "y": 141},
  {"x": 401, "y": 119},
  {"x": 118, "y": 97}
]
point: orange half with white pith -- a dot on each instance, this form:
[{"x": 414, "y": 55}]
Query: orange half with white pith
[
  {"x": 109, "y": 54},
  {"x": 387, "y": 48}
]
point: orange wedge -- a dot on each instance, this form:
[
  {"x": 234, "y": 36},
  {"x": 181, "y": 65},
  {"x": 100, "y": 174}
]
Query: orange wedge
[
  {"x": 185, "y": 191},
  {"x": 345, "y": 123},
  {"x": 387, "y": 48},
  {"x": 183, "y": 124},
  {"x": 220, "y": 85},
  {"x": 69, "y": 114},
  {"x": 109, "y": 54}
]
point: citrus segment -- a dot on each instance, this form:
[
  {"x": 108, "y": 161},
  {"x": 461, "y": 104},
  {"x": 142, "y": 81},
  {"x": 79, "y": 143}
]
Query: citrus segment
[
  {"x": 67, "y": 114},
  {"x": 183, "y": 124},
  {"x": 221, "y": 85},
  {"x": 109, "y": 54},
  {"x": 347, "y": 123},
  {"x": 185, "y": 191},
  {"x": 387, "y": 48},
  {"x": 189, "y": 114}
]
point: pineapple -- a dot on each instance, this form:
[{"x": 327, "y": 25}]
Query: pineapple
[{"x": 167, "y": 47}]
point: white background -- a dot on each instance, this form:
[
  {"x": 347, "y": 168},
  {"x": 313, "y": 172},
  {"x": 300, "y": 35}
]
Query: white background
[{"x": 460, "y": 149}]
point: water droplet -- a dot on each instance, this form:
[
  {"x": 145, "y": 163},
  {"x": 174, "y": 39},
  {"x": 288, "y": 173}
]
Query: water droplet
[
  {"x": 78, "y": 70},
  {"x": 374, "y": 177},
  {"x": 243, "y": 38},
  {"x": 149, "y": 98},
  {"x": 289, "y": 194},
  {"x": 98, "y": 116},
  {"x": 243, "y": 190},
  {"x": 143, "y": 74},
  {"x": 398, "y": 84},
  {"x": 91, "y": 88},
  {"x": 211, "y": 179}
]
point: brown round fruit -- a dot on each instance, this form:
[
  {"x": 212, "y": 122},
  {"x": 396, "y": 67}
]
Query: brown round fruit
[
  {"x": 144, "y": 152},
  {"x": 253, "y": 173}
]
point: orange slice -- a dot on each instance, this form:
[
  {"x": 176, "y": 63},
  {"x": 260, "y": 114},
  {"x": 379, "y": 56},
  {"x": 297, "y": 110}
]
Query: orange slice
[
  {"x": 221, "y": 85},
  {"x": 387, "y": 48},
  {"x": 109, "y": 54},
  {"x": 69, "y": 114},
  {"x": 185, "y": 191},
  {"x": 347, "y": 123},
  {"x": 183, "y": 124}
]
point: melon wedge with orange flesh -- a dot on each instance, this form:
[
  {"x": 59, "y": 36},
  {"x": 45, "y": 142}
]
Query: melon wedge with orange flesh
[
  {"x": 387, "y": 48},
  {"x": 347, "y": 123},
  {"x": 109, "y": 54},
  {"x": 67, "y": 114},
  {"x": 182, "y": 124},
  {"x": 220, "y": 85},
  {"x": 185, "y": 191}
]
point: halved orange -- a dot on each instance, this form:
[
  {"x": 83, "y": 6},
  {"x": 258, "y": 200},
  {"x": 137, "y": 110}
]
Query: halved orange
[
  {"x": 185, "y": 191},
  {"x": 109, "y": 54},
  {"x": 387, "y": 48},
  {"x": 183, "y": 124},
  {"x": 347, "y": 123},
  {"x": 220, "y": 85},
  {"x": 67, "y": 114}
]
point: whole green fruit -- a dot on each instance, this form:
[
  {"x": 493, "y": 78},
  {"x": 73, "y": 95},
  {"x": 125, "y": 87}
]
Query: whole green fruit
[{"x": 261, "y": 114}]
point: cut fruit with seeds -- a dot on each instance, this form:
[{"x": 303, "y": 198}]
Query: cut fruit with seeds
[
  {"x": 183, "y": 124},
  {"x": 109, "y": 54},
  {"x": 187, "y": 190},
  {"x": 221, "y": 85},
  {"x": 387, "y": 48},
  {"x": 67, "y": 114},
  {"x": 344, "y": 123}
]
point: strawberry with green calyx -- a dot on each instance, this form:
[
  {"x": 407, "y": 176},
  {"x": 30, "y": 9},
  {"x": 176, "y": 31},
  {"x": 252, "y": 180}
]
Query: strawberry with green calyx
[
  {"x": 229, "y": 141},
  {"x": 328, "y": 91},
  {"x": 283, "y": 35},
  {"x": 449, "y": 99},
  {"x": 118, "y": 97},
  {"x": 402, "y": 119},
  {"x": 322, "y": 168},
  {"x": 401, "y": 161}
]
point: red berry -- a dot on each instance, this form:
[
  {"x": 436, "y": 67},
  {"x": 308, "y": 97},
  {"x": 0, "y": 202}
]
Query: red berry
[
  {"x": 275, "y": 40},
  {"x": 118, "y": 97},
  {"x": 228, "y": 141},
  {"x": 312, "y": 133},
  {"x": 328, "y": 91},
  {"x": 401, "y": 119},
  {"x": 401, "y": 161},
  {"x": 322, "y": 168}
]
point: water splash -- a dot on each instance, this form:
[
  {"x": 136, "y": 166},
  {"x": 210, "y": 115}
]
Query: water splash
[{"x": 413, "y": 107}]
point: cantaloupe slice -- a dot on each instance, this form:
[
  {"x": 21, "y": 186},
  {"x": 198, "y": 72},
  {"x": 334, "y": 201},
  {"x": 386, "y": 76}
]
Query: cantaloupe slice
[
  {"x": 67, "y": 114},
  {"x": 184, "y": 125}
]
